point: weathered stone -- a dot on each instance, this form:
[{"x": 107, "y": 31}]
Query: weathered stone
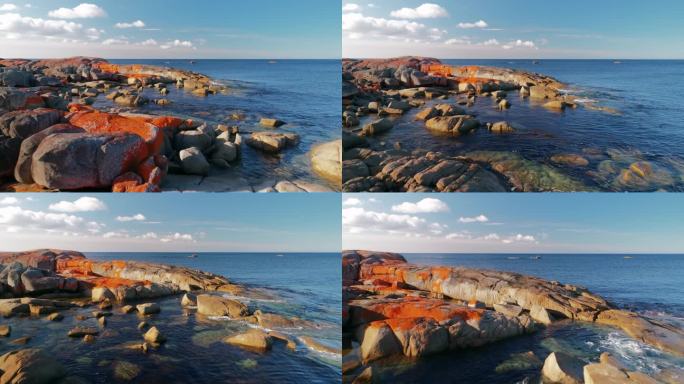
[
  {"x": 29, "y": 366},
  {"x": 326, "y": 161},
  {"x": 192, "y": 138},
  {"x": 189, "y": 300},
  {"x": 272, "y": 141},
  {"x": 562, "y": 369},
  {"x": 153, "y": 336},
  {"x": 377, "y": 340},
  {"x": 453, "y": 125},
  {"x": 148, "y": 308},
  {"x": 377, "y": 127},
  {"x": 253, "y": 338},
  {"x": 79, "y": 160},
  {"x": 82, "y": 331},
  {"x": 24, "y": 123},
  {"x": 22, "y": 171},
  {"x": 271, "y": 123},
  {"x": 501, "y": 127},
  {"x": 212, "y": 305},
  {"x": 193, "y": 161}
]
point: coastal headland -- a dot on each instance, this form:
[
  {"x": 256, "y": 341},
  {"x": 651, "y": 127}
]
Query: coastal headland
[
  {"x": 394, "y": 308},
  {"x": 381, "y": 94},
  {"x": 54, "y": 138},
  {"x": 78, "y": 298}
]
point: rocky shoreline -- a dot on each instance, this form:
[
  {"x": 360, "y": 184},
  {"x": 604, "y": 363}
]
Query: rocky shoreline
[
  {"x": 53, "y": 139},
  {"x": 381, "y": 91},
  {"x": 52, "y": 284},
  {"x": 394, "y": 308}
]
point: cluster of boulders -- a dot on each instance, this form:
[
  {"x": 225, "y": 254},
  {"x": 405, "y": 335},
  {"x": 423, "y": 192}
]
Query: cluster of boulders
[
  {"x": 63, "y": 280},
  {"x": 391, "y": 307},
  {"x": 381, "y": 91}
]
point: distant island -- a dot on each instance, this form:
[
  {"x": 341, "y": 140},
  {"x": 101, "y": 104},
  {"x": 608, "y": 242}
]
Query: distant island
[{"x": 393, "y": 308}]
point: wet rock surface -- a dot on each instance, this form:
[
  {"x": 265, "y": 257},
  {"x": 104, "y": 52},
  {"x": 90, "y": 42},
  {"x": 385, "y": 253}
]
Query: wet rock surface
[{"x": 394, "y": 308}]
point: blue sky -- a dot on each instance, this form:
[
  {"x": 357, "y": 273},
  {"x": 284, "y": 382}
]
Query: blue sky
[
  {"x": 170, "y": 28},
  {"x": 171, "y": 222},
  {"x": 514, "y": 29},
  {"x": 530, "y": 222}
]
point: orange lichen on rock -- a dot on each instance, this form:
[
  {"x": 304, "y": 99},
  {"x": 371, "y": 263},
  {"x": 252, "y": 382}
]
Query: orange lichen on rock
[
  {"x": 114, "y": 282},
  {"x": 74, "y": 267},
  {"x": 102, "y": 122},
  {"x": 413, "y": 307}
]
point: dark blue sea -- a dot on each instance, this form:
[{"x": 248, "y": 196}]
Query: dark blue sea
[
  {"x": 648, "y": 284},
  {"x": 305, "y": 285},
  {"x": 303, "y": 93},
  {"x": 649, "y": 126}
]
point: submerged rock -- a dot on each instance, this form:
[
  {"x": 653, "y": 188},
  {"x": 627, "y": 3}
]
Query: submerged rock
[{"x": 272, "y": 141}]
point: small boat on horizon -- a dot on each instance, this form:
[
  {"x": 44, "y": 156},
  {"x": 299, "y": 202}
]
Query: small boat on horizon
[
  {"x": 628, "y": 257},
  {"x": 536, "y": 257},
  {"x": 535, "y": 61},
  {"x": 193, "y": 62},
  {"x": 272, "y": 62},
  {"x": 513, "y": 257},
  {"x": 617, "y": 62},
  {"x": 193, "y": 256},
  {"x": 280, "y": 255}
]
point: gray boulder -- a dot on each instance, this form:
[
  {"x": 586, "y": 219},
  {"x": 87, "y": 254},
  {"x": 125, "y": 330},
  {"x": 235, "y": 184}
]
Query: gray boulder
[
  {"x": 22, "y": 171},
  {"x": 193, "y": 161}
]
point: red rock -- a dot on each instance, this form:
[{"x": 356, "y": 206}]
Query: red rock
[{"x": 101, "y": 122}]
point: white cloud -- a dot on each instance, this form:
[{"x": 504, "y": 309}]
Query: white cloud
[
  {"x": 457, "y": 41},
  {"x": 81, "y": 11},
  {"x": 371, "y": 5},
  {"x": 93, "y": 33},
  {"x": 357, "y": 219},
  {"x": 519, "y": 238},
  {"x": 15, "y": 25},
  {"x": 491, "y": 236},
  {"x": 351, "y": 201},
  {"x": 491, "y": 42},
  {"x": 134, "y": 24},
  {"x": 177, "y": 237},
  {"x": 426, "y": 205},
  {"x": 83, "y": 204},
  {"x": 519, "y": 44},
  {"x": 7, "y": 7},
  {"x": 477, "y": 24},
  {"x": 476, "y": 219},
  {"x": 148, "y": 235},
  {"x": 459, "y": 235},
  {"x": 424, "y": 11},
  {"x": 351, "y": 7},
  {"x": 177, "y": 43},
  {"x": 357, "y": 26},
  {"x": 9, "y": 201},
  {"x": 116, "y": 235},
  {"x": 115, "y": 42},
  {"x": 149, "y": 42},
  {"x": 136, "y": 217},
  {"x": 17, "y": 219}
]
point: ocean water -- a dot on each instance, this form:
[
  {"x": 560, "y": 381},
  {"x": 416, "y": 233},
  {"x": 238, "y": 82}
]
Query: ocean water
[
  {"x": 305, "y": 285},
  {"x": 650, "y": 125},
  {"x": 303, "y": 93},
  {"x": 648, "y": 284}
]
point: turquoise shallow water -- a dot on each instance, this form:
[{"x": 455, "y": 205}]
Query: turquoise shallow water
[
  {"x": 648, "y": 284},
  {"x": 303, "y": 93},
  {"x": 294, "y": 284}
]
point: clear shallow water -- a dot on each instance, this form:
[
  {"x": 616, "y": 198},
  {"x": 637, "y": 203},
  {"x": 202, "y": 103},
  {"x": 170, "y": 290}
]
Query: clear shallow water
[
  {"x": 649, "y": 284},
  {"x": 303, "y": 285},
  {"x": 647, "y": 94},
  {"x": 303, "y": 93}
]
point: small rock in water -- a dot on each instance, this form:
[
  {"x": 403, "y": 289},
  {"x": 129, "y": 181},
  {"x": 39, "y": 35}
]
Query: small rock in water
[
  {"x": 142, "y": 325},
  {"x": 154, "y": 336},
  {"x": 271, "y": 123},
  {"x": 253, "y": 338},
  {"x": 88, "y": 338},
  {"x": 55, "y": 316},
  {"x": 148, "y": 308},
  {"x": 519, "y": 361},
  {"x": 5, "y": 330},
  {"x": 127, "y": 309},
  {"x": 21, "y": 340},
  {"x": 82, "y": 331}
]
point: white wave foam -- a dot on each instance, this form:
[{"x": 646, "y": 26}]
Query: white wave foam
[{"x": 585, "y": 101}]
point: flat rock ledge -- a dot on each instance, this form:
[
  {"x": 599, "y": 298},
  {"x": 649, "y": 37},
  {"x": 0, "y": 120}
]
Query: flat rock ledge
[{"x": 392, "y": 307}]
